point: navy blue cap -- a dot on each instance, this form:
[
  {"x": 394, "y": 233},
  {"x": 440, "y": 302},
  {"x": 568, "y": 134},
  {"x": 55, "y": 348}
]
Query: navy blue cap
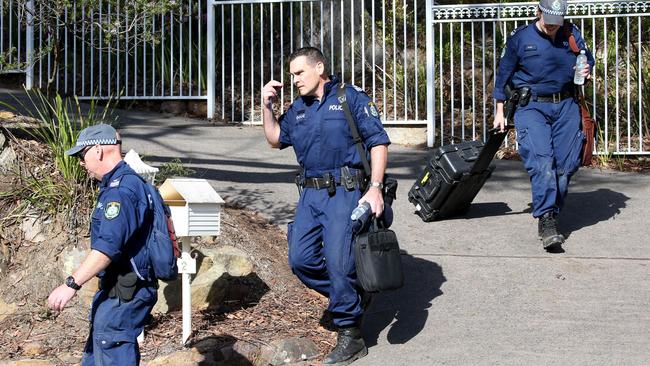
[
  {"x": 100, "y": 134},
  {"x": 553, "y": 11}
]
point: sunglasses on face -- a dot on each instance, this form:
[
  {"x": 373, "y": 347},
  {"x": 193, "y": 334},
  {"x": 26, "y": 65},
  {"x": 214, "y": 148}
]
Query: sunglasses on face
[{"x": 82, "y": 154}]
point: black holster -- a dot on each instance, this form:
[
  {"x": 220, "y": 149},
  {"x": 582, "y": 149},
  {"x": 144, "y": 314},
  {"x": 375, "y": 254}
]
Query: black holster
[
  {"x": 122, "y": 286},
  {"x": 515, "y": 98}
]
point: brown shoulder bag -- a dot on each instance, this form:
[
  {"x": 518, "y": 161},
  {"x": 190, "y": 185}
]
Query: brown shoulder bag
[{"x": 588, "y": 123}]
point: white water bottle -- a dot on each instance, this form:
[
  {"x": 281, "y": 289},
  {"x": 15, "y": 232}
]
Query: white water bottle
[
  {"x": 581, "y": 61},
  {"x": 361, "y": 210}
]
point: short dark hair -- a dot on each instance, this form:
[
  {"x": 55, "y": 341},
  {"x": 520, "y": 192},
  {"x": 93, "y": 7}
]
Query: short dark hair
[{"x": 313, "y": 55}]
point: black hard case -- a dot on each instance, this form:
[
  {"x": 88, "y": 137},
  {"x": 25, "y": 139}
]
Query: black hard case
[{"x": 453, "y": 177}]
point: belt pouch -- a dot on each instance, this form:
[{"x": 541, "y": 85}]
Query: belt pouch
[
  {"x": 125, "y": 286},
  {"x": 347, "y": 180},
  {"x": 330, "y": 183}
]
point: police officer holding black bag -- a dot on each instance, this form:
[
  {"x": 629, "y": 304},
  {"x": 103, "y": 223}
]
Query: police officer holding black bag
[
  {"x": 539, "y": 65},
  {"x": 332, "y": 184}
]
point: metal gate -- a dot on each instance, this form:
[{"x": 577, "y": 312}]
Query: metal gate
[
  {"x": 423, "y": 64},
  {"x": 377, "y": 45},
  {"x": 466, "y": 41}
]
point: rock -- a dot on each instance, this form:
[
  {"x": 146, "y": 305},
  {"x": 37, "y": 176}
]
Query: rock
[
  {"x": 6, "y": 115},
  {"x": 33, "y": 349},
  {"x": 33, "y": 229},
  {"x": 6, "y": 309},
  {"x": 3, "y": 139},
  {"x": 72, "y": 258},
  {"x": 191, "y": 357},
  {"x": 5, "y": 258},
  {"x": 209, "y": 288},
  {"x": 7, "y": 160},
  {"x": 240, "y": 353},
  {"x": 69, "y": 359},
  {"x": 212, "y": 283},
  {"x": 26, "y": 362},
  {"x": 173, "y": 106},
  {"x": 169, "y": 297},
  {"x": 88, "y": 291},
  {"x": 286, "y": 351},
  {"x": 197, "y": 108},
  {"x": 22, "y": 126},
  {"x": 169, "y": 292}
]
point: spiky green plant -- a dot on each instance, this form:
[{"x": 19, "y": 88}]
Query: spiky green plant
[
  {"x": 61, "y": 186},
  {"x": 63, "y": 119}
]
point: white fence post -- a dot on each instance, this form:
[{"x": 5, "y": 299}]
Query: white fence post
[
  {"x": 211, "y": 60},
  {"x": 431, "y": 90},
  {"x": 29, "y": 45}
]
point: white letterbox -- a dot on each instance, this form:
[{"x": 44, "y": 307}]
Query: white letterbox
[{"x": 196, "y": 207}]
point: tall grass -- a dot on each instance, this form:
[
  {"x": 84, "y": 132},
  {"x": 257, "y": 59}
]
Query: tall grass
[
  {"x": 60, "y": 184},
  {"x": 63, "y": 119}
]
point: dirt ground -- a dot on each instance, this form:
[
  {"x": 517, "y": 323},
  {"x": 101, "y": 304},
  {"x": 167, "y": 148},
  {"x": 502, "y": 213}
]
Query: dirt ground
[{"x": 275, "y": 305}]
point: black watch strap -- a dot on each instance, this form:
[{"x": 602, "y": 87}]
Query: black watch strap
[{"x": 69, "y": 281}]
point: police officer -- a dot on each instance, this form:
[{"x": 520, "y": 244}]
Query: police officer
[
  {"x": 538, "y": 56},
  {"x": 320, "y": 239},
  {"x": 120, "y": 224}
]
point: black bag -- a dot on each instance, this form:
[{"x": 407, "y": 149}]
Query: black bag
[
  {"x": 378, "y": 261},
  {"x": 376, "y": 251},
  {"x": 453, "y": 177}
]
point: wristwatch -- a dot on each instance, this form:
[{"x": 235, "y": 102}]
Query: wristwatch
[
  {"x": 69, "y": 281},
  {"x": 379, "y": 185}
]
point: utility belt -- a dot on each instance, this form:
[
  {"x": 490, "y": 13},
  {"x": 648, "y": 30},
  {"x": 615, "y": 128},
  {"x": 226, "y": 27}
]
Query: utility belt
[
  {"x": 555, "y": 97},
  {"x": 522, "y": 96},
  {"x": 124, "y": 286},
  {"x": 350, "y": 179}
]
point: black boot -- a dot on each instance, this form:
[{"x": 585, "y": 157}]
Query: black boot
[
  {"x": 547, "y": 229},
  {"x": 349, "y": 348}
]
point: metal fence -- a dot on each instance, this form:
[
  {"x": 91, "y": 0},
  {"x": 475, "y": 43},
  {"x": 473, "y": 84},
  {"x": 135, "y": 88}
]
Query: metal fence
[
  {"x": 173, "y": 67},
  {"x": 16, "y": 38},
  {"x": 377, "y": 45},
  {"x": 466, "y": 41},
  {"x": 423, "y": 64}
]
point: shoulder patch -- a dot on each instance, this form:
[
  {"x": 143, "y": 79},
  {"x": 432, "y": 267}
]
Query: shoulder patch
[
  {"x": 112, "y": 210},
  {"x": 514, "y": 31},
  {"x": 373, "y": 109},
  {"x": 114, "y": 183},
  {"x": 356, "y": 88}
]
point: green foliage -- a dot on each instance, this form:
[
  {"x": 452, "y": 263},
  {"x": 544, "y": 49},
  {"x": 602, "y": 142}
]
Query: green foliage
[
  {"x": 50, "y": 181},
  {"x": 173, "y": 168},
  {"x": 62, "y": 122}
]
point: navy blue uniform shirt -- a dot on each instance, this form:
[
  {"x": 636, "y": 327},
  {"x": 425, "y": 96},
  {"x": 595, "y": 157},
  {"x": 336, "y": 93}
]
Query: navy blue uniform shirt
[
  {"x": 320, "y": 134},
  {"x": 533, "y": 59},
  {"x": 121, "y": 220}
]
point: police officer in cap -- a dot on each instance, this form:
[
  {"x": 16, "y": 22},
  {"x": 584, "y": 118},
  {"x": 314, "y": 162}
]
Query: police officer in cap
[
  {"x": 120, "y": 224},
  {"x": 538, "y": 56},
  {"x": 332, "y": 183}
]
